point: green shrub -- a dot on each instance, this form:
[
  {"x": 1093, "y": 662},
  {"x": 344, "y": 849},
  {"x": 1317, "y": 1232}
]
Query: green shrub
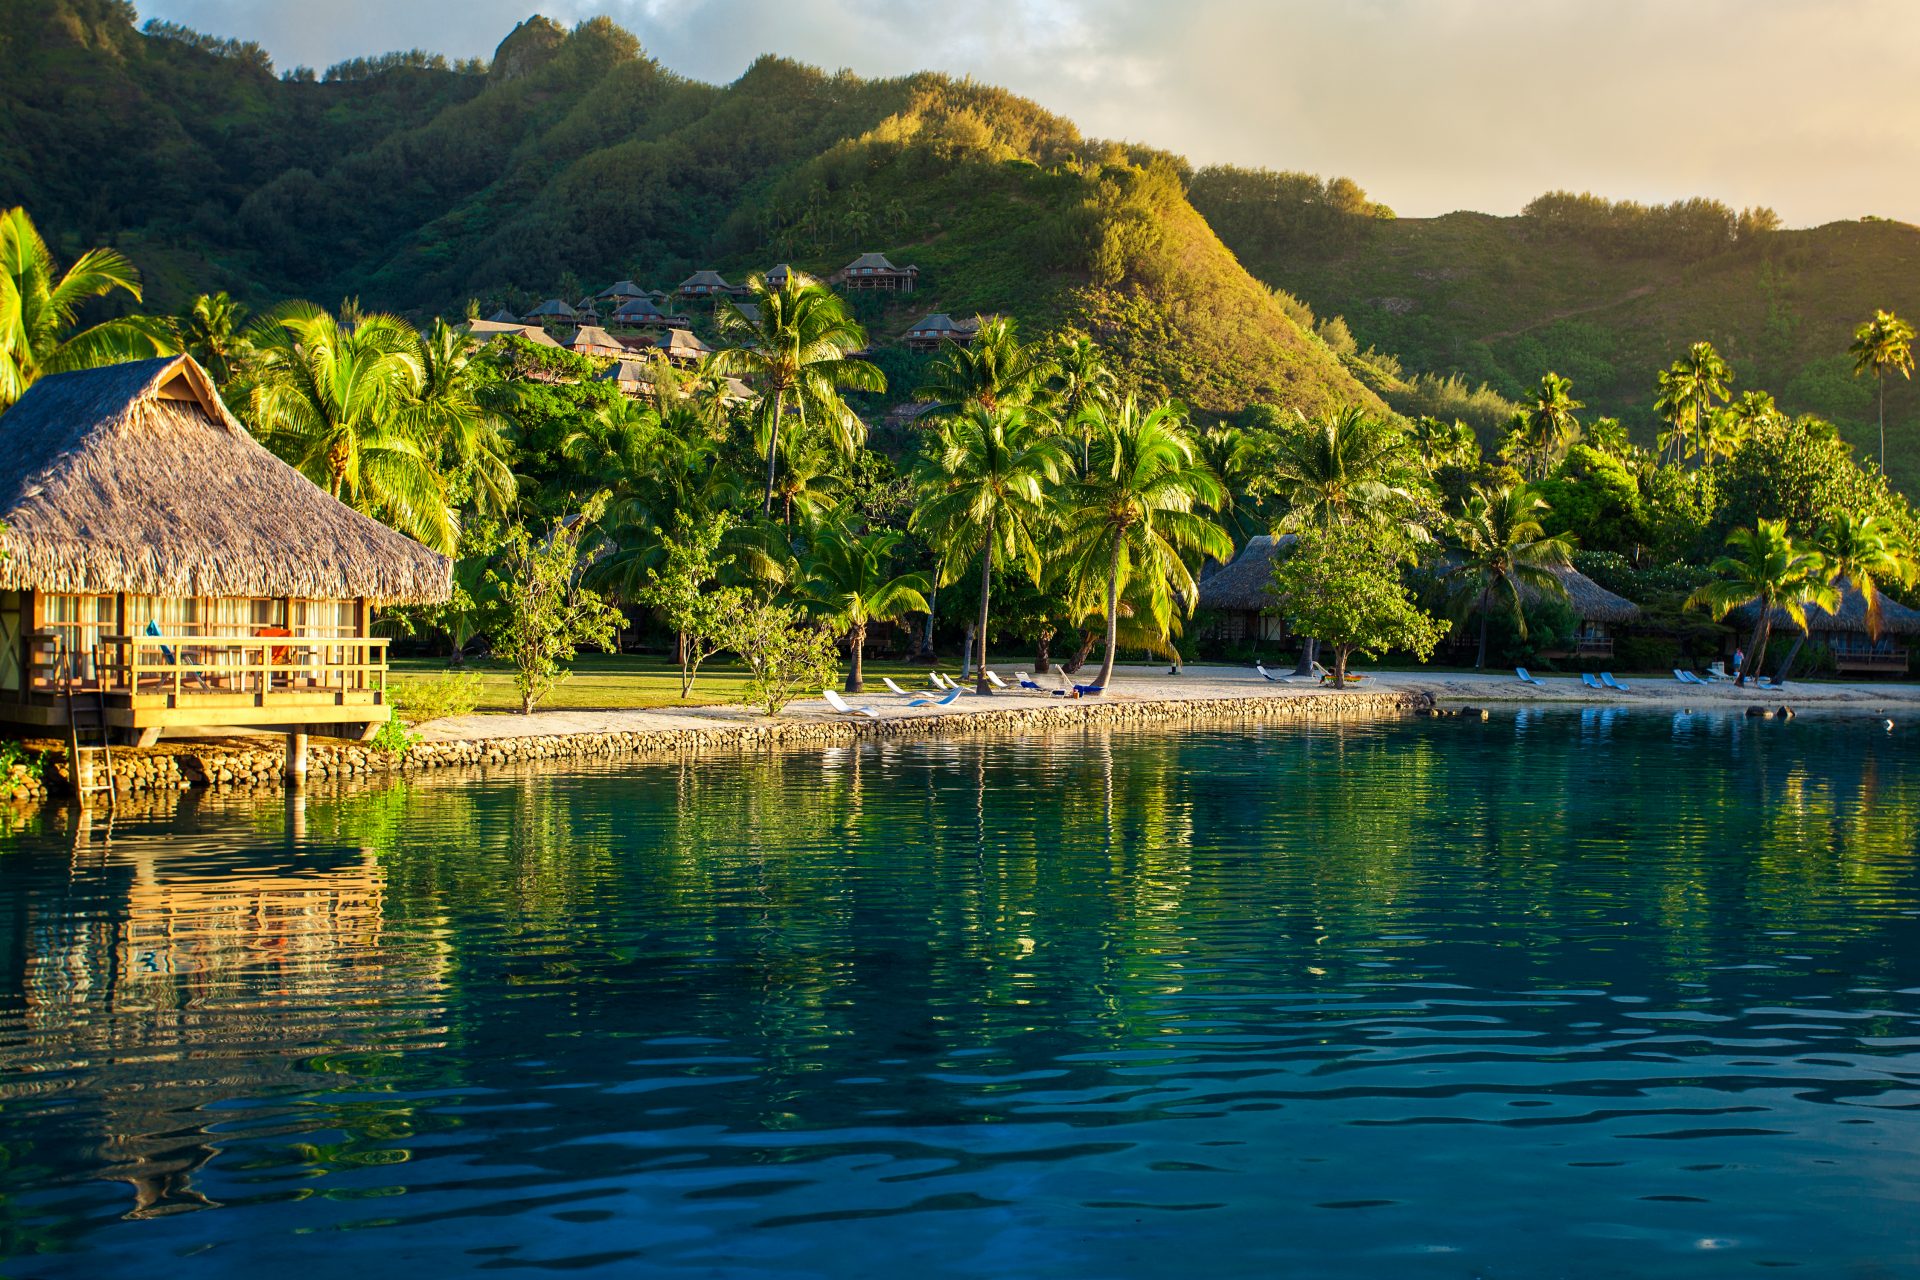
[
  {"x": 14, "y": 754},
  {"x": 456, "y": 693},
  {"x": 394, "y": 738}
]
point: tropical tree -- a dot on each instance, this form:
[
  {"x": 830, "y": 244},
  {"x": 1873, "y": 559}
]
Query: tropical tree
[
  {"x": 846, "y": 579},
  {"x": 213, "y": 332},
  {"x": 1501, "y": 549},
  {"x": 984, "y": 490},
  {"x": 1345, "y": 585},
  {"x": 1441, "y": 443},
  {"x": 992, "y": 370},
  {"x": 800, "y": 353},
  {"x": 1548, "y": 428},
  {"x": 1768, "y": 571},
  {"x": 1609, "y": 436},
  {"x": 39, "y": 303},
  {"x": 1130, "y": 522},
  {"x": 335, "y": 402},
  {"x": 1082, "y": 383},
  {"x": 546, "y": 613},
  {"x": 464, "y": 418},
  {"x": 1687, "y": 393},
  {"x": 1881, "y": 346},
  {"x": 1867, "y": 552}
]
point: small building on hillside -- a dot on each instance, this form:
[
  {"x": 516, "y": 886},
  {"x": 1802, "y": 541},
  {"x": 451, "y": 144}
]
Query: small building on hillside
[
  {"x": 873, "y": 271},
  {"x": 682, "y": 347},
  {"x": 486, "y": 331},
  {"x": 643, "y": 313},
  {"x": 939, "y": 328},
  {"x": 163, "y": 570},
  {"x": 620, "y": 291},
  {"x": 1844, "y": 633},
  {"x": 708, "y": 284},
  {"x": 504, "y": 316},
  {"x": 778, "y": 277},
  {"x": 1237, "y": 594},
  {"x": 591, "y": 340},
  {"x": 552, "y": 311}
]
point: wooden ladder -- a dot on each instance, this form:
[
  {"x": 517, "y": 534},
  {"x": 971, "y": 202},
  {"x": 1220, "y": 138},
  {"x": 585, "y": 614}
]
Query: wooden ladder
[{"x": 87, "y": 736}]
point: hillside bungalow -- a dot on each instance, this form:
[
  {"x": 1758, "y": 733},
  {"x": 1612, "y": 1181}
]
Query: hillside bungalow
[
  {"x": 590, "y": 340},
  {"x": 708, "y": 284},
  {"x": 1237, "y": 593},
  {"x": 777, "y": 278},
  {"x": 682, "y": 347},
  {"x": 584, "y": 312},
  {"x": 1844, "y": 632},
  {"x": 643, "y": 313},
  {"x": 504, "y": 316},
  {"x": 163, "y": 571},
  {"x": 486, "y": 331},
  {"x": 552, "y": 311},
  {"x": 873, "y": 271},
  {"x": 939, "y": 328},
  {"x": 620, "y": 291}
]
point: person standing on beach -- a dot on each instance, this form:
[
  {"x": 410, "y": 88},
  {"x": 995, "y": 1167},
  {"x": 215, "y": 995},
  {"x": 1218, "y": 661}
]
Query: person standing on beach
[{"x": 1739, "y": 660}]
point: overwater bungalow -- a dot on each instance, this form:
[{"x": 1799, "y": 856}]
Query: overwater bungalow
[
  {"x": 552, "y": 311},
  {"x": 873, "y": 271},
  {"x": 163, "y": 571},
  {"x": 591, "y": 340},
  {"x": 1844, "y": 632},
  {"x": 643, "y": 313},
  {"x": 940, "y": 328}
]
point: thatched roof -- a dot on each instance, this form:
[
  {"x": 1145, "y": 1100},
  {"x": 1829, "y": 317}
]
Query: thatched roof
[
  {"x": 777, "y": 278},
  {"x": 704, "y": 281},
  {"x": 504, "y": 316},
  {"x": 1592, "y": 602},
  {"x": 622, "y": 290},
  {"x": 134, "y": 477},
  {"x": 487, "y": 330},
  {"x": 1241, "y": 585},
  {"x": 552, "y": 308},
  {"x": 679, "y": 342},
  {"x": 942, "y": 325},
  {"x": 872, "y": 264},
  {"x": 592, "y": 341},
  {"x": 1851, "y": 617}
]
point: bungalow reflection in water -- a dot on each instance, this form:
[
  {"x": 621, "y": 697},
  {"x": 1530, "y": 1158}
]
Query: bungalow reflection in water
[
  {"x": 153, "y": 979},
  {"x": 158, "y": 557}
]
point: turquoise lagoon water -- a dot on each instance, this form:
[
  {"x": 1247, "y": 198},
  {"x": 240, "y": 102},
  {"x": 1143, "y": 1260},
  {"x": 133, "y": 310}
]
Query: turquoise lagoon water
[{"x": 1553, "y": 995}]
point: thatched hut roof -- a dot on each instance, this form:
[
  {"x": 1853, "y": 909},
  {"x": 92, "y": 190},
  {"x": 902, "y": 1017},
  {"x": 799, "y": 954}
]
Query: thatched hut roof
[
  {"x": 1240, "y": 586},
  {"x": 551, "y": 309},
  {"x": 1592, "y": 602},
  {"x": 504, "y": 316},
  {"x": 873, "y": 262},
  {"x": 622, "y": 290},
  {"x": 590, "y": 340},
  {"x": 705, "y": 282},
  {"x": 487, "y": 330},
  {"x": 777, "y": 278},
  {"x": 683, "y": 345},
  {"x": 1851, "y": 617},
  {"x": 134, "y": 477}
]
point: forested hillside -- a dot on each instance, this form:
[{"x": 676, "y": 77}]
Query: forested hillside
[
  {"x": 1604, "y": 295},
  {"x": 574, "y": 159}
]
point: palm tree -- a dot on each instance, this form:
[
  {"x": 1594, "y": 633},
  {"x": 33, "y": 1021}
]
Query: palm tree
[
  {"x": 212, "y": 331},
  {"x": 334, "y": 401},
  {"x": 983, "y": 481},
  {"x": 800, "y": 352},
  {"x": 1866, "y": 551},
  {"x": 992, "y": 370},
  {"x": 1503, "y": 549},
  {"x": 1128, "y": 524},
  {"x": 1881, "y": 346},
  {"x": 38, "y": 303},
  {"x": 1549, "y": 429},
  {"x": 1769, "y": 572},
  {"x": 1440, "y": 443},
  {"x": 465, "y": 417},
  {"x": 1687, "y": 392},
  {"x": 809, "y": 479},
  {"x": 1082, "y": 382},
  {"x": 844, "y": 576},
  {"x": 1609, "y": 436}
]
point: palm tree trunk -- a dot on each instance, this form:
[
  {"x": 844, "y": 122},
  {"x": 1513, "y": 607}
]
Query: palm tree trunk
[
  {"x": 1786, "y": 668},
  {"x": 1113, "y": 614},
  {"x": 1760, "y": 649},
  {"x": 856, "y": 641},
  {"x": 1480, "y": 663},
  {"x": 986, "y": 588},
  {"x": 1760, "y": 629},
  {"x": 1043, "y": 656},
  {"x": 773, "y": 447},
  {"x": 1309, "y": 654}
]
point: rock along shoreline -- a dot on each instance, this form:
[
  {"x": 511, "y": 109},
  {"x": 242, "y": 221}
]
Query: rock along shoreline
[{"x": 179, "y": 766}]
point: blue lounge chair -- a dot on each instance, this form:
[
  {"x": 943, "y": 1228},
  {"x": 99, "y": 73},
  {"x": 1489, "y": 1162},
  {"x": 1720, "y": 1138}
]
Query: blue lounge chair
[
  {"x": 1586, "y": 678},
  {"x": 1028, "y": 682},
  {"x": 1526, "y": 677},
  {"x": 1606, "y": 678},
  {"x": 1089, "y": 690},
  {"x": 937, "y": 702}
]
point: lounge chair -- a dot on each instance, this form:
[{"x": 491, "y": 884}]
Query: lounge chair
[
  {"x": 939, "y": 681},
  {"x": 1606, "y": 678},
  {"x": 994, "y": 679},
  {"x": 1586, "y": 678},
  {"x": 888, "y": 681},
  {"x": 1028, "y": 682},
  {"x": 945, "y": 700},
  {"x": 1717, "y": 672},
  {"x": 1088, "y": 690},
  {"x": 845, "y": 708},
  {"x": 1685, "y": 677},
  {"x": 1526, "y": 677},
  {"x": 1261, "y": 667}
]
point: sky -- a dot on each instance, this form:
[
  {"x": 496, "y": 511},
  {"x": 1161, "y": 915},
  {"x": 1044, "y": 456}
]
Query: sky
[{"x": 1807, "y": 106}]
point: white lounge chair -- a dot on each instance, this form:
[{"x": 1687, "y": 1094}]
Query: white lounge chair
[
  {"x": 1028, "y": 682},
  {"x": 942, "y": 701},
  {"x": 1718, "y": 671},
  {"x": 846, "y": 708},
  {"x": 994, "y": 680},
  {"x": 1261, "y": 667},
  {"x": 888, "y": 681},
  {"x": 1526, "y": 677}
]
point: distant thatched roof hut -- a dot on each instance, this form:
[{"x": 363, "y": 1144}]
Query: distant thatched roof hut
[
  {"x": 1844, "y": 631},
  {"x": 620, "y": 291},
  {"x": 874, "y": 271},
  {"x": 1592, "y": 602},
  {"x": 705, "y": 284},
  {"x": 682, "y": 346},
  {"x": 591, "y": 340},
  {"x": 504, "y": 316},
  {"x": 134, "y": 477},
  {"x": 778, "y": 277},
  {"x": 487, "y": 330},
  {"x": 644, "y": 313},
  {"x": 555, "y": 309},
  {"x": 938, "y": 328},
  {"x": 1240, "y": 586}
]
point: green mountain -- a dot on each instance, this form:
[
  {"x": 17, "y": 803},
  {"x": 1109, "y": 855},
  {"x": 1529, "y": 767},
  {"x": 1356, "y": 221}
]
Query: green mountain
[
  {"x": 1605, "y": 295},
  {"x": 574, "y": 159}
]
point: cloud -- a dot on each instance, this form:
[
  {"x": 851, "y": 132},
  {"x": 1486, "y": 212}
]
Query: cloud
[{"x": 1432, "y": 105}]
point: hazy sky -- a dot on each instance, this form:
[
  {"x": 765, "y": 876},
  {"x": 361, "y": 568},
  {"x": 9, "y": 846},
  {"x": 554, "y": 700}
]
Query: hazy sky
[{"x": 1805, "y": 105}]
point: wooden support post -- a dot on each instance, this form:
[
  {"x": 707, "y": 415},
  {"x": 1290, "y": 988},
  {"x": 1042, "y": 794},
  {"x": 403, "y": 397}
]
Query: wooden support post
[{"x": 296, "y": 760}]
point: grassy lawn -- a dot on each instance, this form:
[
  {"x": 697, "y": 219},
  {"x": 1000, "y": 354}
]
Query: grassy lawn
[{"x": 604, "y": 682}]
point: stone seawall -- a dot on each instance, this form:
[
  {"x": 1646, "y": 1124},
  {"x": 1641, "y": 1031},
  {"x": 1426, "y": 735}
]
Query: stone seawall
[{"x": 178, "y": 766}]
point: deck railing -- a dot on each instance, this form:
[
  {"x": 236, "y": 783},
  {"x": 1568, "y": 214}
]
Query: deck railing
[{"x": 217, "y": 664}]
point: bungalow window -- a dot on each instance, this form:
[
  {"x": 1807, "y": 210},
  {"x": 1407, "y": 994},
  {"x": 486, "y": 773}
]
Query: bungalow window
[
  {"x": 78, "y": 622},
  {"x": 10, "y": 641}
]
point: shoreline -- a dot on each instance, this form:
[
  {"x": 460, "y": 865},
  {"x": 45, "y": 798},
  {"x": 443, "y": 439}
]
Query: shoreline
[{"x": 1140, "y": 697}]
